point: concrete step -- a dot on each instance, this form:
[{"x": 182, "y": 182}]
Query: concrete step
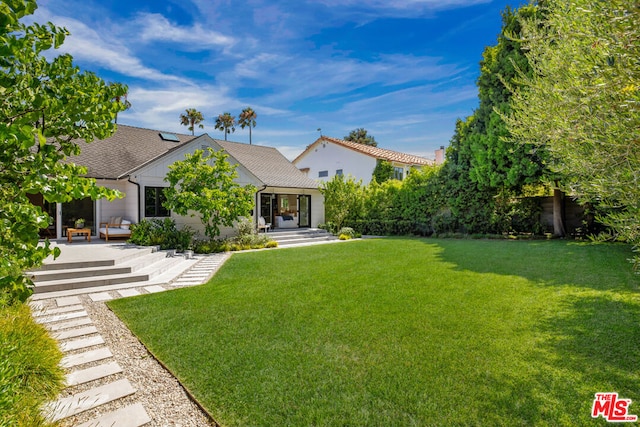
[
  {"x": 80, "y": 321},
  {"x": 69, "y": 406},
  {"x": 91, "y": 374},
  {"x": 85, "y": 357},
  {"x": 53, "y": 266},
  {"x": 59, "y": 310},
  {"x": 164, "y": 272},
  {"x": 74, "y": 333},
  {"x": 306, "y": 241},
  {"x": 306, "y": 236},
  {"x": 74, "y": 257},
  {"x": 76, "y": 273},
  {"x": 80, "y": 343},
  {"x": 60, "y": 317},
  {"x": 129, "y": 416},
  {"x": 141, "y": 269},
  {"x": 88, "y": 282}
]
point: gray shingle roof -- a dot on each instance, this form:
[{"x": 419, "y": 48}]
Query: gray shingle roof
[
  {"x": 131, "y": 147},
  {"x": 268, "y": 165},
  {"x": 128, "y": 148}
]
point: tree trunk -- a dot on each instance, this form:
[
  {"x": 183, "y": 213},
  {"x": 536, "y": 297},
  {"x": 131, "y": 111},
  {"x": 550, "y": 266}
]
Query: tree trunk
[{"x": 558, "y": 212}]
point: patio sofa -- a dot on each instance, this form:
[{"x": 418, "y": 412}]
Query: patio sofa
[
  {"x": 286, "y": 221},
  {"x": 115, "y": 228}
]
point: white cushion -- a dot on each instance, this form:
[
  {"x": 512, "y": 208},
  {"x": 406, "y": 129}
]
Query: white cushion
[{"x": 125, "y": 224}]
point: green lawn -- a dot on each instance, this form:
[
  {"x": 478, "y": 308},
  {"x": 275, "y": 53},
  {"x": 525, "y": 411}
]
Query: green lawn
[{"x": 404, "y": 332}]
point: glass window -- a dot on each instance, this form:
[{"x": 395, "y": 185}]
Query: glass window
[
  {"x": 398, "y": 173},
  {"x": 153, "y": 199},
  {"x": 339, "y": 172},
  {"x": 323, "y": 174}
]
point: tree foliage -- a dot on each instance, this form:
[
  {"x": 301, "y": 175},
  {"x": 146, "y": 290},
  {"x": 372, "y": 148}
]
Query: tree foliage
[
  {"x": 226, "y": 123},
  {"x": 47, "y": 108},
  {"x": 582, "y": 102},
  {"x": 190, "y": 118},
  {"x": 247, "y": 118},
  {"x": 205, "y": 184},
  {"x": 499, "y": 161},
  {"x": 361, "y": 137},
  {"x": 343, "y": 199},
  {"x": 383, "y": 171},
  {"x": 470, "y": 204}
]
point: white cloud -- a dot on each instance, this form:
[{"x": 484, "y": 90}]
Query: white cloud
[
  {"x": 411, "y": 6},
  {"x": 157, "y": 27},
  {"x": 88, "y": 45},
  {"x": 321, "y": 77}
]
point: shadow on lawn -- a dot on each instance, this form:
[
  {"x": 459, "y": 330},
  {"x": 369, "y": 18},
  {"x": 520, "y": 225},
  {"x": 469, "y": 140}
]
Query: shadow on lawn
[
  {"x": 590, "y": 347},
  {"x": 601, "y": 267},
  {"x": 587, "y": 344}
]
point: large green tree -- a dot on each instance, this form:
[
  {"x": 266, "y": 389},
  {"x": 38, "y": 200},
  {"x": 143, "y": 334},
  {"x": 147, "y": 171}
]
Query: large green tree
[
  {"x": 226, "y": 123},
  {"x": 205, "y": 184},
  {"x": 190, "y": 118},
  {"x": 471, "y": 205},
  {"x": 48, "y": 108},
  {"x": 582, "y": 102},
  {"x": 361, "y": 136},
  {"x": 498, "y": 161},
  {"x": 247, "y": 118},
  {"x": 343, "y": 200}
]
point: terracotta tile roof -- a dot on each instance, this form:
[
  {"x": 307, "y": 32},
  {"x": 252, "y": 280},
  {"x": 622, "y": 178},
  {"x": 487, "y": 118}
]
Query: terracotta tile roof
[
  {"x": 127, "y": 149},
  {"x": 376, "y": 152},
  {"x": 268, "y": 165}
]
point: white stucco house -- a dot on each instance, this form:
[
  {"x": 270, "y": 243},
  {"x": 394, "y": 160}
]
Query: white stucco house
[
  {"x": 136, "y": 160},
  {"x": 328, "y": 157}
]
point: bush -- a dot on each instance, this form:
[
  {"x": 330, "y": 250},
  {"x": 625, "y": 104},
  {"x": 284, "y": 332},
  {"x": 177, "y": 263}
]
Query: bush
[
  {"x": 163, "y": 233},
  {"x": 329, "y": 226},
  {"x": 248, "y": 237},
  {"x": 29, "y": 371},
  {"x": 347, "y": 231},
  {"x": 344, "y": 237}
]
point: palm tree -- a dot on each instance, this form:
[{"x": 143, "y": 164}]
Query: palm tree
[
  {"x": 191, "y": 118},
  {"x": 226, "y": 123},
  {"x": 121, "y": 99},
  {"x": 247, "y": 118}
]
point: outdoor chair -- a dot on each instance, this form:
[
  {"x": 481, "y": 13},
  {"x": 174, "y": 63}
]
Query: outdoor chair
[{"x": 263, "y": 225}]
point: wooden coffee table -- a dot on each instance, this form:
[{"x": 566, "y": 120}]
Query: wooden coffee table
[{"x": 72, "y": 231}]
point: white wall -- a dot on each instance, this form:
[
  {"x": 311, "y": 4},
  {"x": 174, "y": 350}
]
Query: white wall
[
  {"x": 153, "y": 175},
  {"x": 331, "y": 157},
  {"x": 126, "y": 207}
]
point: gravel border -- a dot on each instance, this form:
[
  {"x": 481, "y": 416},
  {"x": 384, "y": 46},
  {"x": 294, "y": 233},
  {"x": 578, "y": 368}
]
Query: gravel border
[{"x": 163, "y": 397}]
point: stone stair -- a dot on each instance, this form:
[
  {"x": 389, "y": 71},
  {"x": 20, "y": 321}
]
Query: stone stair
[
  {"x": 301, "y": 237},
  {"x": 144, "y": 266},
  {"x": 87, "y": 360}
]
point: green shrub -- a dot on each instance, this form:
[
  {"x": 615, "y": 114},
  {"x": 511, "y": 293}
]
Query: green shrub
[
  {"x": 29, "y": 371},
  {"x": 329, "y": 226},
  {"x": 207, "y": 246},
  {"x": 248, "y": 237},
  {"x": 347, "y": 231},
  {"x": 271, "y": 244},
  {"x": 163, "y": 233}
]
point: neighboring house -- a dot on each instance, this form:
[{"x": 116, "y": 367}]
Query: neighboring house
[
  {"x": 328, "y": 157},
  {"x": 135, "y": 161}
]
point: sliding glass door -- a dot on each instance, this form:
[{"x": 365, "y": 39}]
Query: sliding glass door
[{"x": 304, "y": 211}]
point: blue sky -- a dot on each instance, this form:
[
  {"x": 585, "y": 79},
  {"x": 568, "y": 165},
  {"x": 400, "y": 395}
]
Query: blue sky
[{"x": 402, "y": 69}]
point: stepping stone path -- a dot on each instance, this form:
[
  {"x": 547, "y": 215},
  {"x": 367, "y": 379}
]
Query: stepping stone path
[{"x": 69, "y": 323}]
